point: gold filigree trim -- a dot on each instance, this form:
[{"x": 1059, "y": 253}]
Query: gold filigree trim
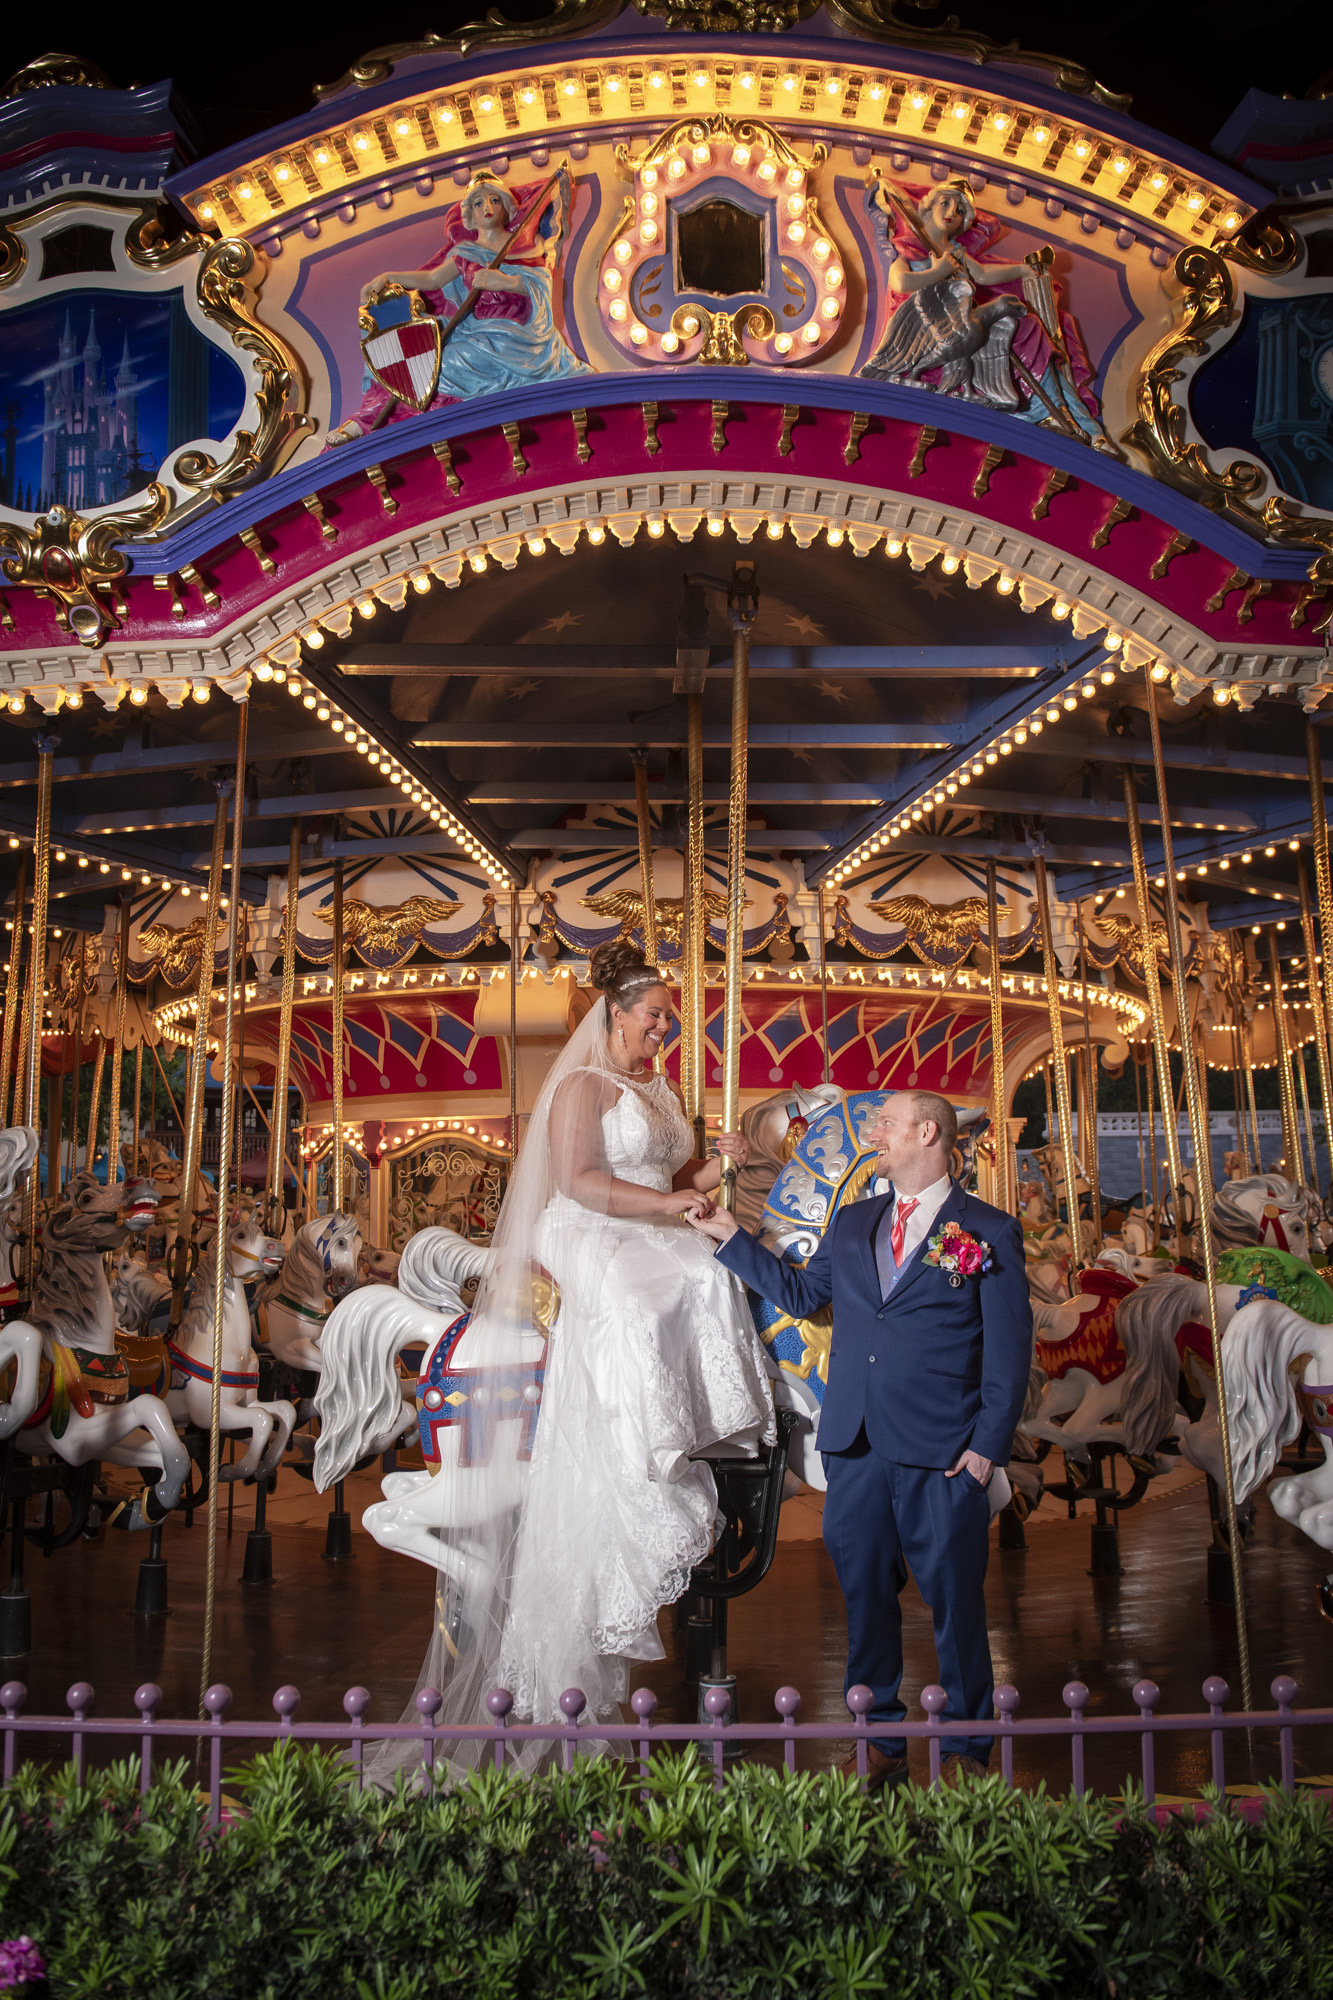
[
  {"x": 1161, "y": 431},
  {"x": 568, "y": 17},
  {"x": 227, "y": 292},
  {"x": 68, "y": 558},
  {"x": 694, "y": 129}
]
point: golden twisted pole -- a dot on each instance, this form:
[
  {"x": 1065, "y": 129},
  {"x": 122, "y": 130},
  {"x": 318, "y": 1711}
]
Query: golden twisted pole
[
  {"x": 693, "y": 1046},
  {"x": 1233, "y": 1008},
  {"x": 1088, "y": 1109},
  {"x": 513, "y": 1023},
  {"x": 999, "y": 1099},
  {"x": 1319, "y": 1012},
  {"x": 41, "y": 883},
  {"x": 13, "y": 991},
  {"x": 282, "y": 1069},
  {"x": 1291, "y": 1131},
  {"x": 118, "y": 1044},
  {"x": 743, "y": 604},
  {"x": 179, "y": 1262},
  {"x": 823, "y": 987},
  {"x": 1323, "y": 876},
  {"x": 645, "y": 819},
  {"x": 1203, "y": 1166},
  {"x": 1059, "y": 1060},
  {"x": 1152, "y": 981},
  {"x": 336, "y": 1181},
  {"x": 222, "y": 1236}
]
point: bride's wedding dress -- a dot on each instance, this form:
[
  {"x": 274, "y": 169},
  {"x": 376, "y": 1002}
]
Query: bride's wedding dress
[{"x": 653, "y": 1357}]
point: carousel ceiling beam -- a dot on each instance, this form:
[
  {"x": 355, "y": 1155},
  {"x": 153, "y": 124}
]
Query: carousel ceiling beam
[
  {"x": 560, "y": 839},
  {"x": 581, "y": 662},
  {"x": 1050, "y": 807},
  {"x": 141, "y": 857},
  {"x": 1212, "y": 758},
  {"x": 129, "y": 762},
  {"x": 515, "y": 793},
  {"x": 717, "y": 736},
  {"x": 285, "y": 805},
  {"x": 1292, "y": 822},
  {"x": 1003, "y": 850},
  {"x": 323, "y": 849}
]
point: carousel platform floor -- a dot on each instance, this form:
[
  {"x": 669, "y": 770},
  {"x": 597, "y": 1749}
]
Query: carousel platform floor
[{"x": 326, "y": 1626}]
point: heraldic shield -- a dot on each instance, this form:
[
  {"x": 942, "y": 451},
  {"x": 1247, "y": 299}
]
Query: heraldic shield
[{"x": 401, "y": 344}]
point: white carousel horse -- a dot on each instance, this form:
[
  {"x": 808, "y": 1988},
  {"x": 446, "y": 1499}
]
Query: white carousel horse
[
  {"x": 1048, "y": 1252},
  {"x": 86, "y": 1411},
  {"x": 250, "y": 1254},
  {"x": 137, "y": 1292},
  {"x": 362, "y": 1410},
  {"x": 18, "y": 1150},
  {"x": 379, "y": 1267},
  {"x": 773, "y": 1129},
  {"x": 321, "y": 1265},
  {"x": 1268, "y": 1210},
  {"x": 1278, "y": 1372}
]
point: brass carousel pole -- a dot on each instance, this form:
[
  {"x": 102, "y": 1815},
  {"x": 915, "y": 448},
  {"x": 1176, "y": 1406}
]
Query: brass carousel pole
[
  {"x": 1089, "y": 1109},
  {"x": 178, "y": 1267},
  {"x": 1152, "y": 981},
  {"x": 743, "y": 604},
  {"x": 646, "y": 878},
  {"x": 1319, "y": 1013},
  {"x": 999, "y": 1099},
  {"x": 693, "y": 1050},
  {"x": 222, "y": 1235},
  {"x": 1322, "y": 875},
  {"x": 513, "y": 1024},
  {"x": 1203, "y": 1166},
  {"x": 1291, "y": 1132},
  {"x": 41, "y": 882},
  {"x": 282, "y": 1069},
  {"x": 1298, "y": 1058},
  {"x": 1059, "y": 1061},
  {"x": 336, "y": 1181},
  {"x": 138, "y": 1088},
  {"x": 13, "y": 991},
  {"x": 118, "y": 1045},
  {"x": 823, "y": 988}
]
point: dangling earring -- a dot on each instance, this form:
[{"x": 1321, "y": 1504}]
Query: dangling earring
[{"x": 623, "y": 1043}]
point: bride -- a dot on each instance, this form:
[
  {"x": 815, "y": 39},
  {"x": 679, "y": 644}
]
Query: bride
[{"x": 652, "y": 1357}]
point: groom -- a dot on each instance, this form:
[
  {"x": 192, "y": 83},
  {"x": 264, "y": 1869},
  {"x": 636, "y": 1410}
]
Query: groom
[{"x": 928, "y": 1371}]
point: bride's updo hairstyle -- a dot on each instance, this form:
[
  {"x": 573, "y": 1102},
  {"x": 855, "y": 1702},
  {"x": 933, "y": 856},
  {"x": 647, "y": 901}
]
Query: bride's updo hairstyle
[{"x": 620, "y": 973}]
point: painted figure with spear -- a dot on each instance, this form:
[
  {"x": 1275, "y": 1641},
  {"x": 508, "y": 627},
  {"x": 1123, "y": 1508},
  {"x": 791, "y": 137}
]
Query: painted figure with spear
[
  {"x": 482, "y": 321},
  {"x": 938, "y": 270}
]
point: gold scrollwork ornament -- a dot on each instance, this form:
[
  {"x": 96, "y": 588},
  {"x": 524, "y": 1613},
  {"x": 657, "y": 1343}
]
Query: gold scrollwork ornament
[
  {"x": 70, "y": 558},
  {"x": 227, "y": 292},
  {"x": 723, "y": 332}
]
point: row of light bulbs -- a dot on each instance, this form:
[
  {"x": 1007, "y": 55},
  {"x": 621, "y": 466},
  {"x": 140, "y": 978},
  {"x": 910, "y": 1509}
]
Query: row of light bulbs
[
  {"x": 62, "y": 853},
  {"x": 54, "y": 698},
  {"x": 492, "y": 112}
]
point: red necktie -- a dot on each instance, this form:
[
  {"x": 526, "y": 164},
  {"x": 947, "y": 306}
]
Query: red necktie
[{"x": 899, "y": 1230}]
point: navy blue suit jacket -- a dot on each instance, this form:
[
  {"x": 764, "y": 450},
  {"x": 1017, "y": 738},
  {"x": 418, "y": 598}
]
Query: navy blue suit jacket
[{"x": 934, "y": 1369}]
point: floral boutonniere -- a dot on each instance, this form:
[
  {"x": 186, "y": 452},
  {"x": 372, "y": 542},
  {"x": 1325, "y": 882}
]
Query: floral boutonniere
[{"x": 952, "y": 1250}]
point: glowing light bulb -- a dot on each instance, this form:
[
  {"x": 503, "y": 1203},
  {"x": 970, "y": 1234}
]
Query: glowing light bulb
[
  {"x": 611, "y": 278},
  {"x": 617, "y": 309},
  {"x": 623, "y": 250},
  {"x": 648, "y": 231},
  {"x": 796, "y": 232},
  {"x": 638, "y": 334},
  {"x": 670, "y": 342},
  {"x": 782, "y": 343}
]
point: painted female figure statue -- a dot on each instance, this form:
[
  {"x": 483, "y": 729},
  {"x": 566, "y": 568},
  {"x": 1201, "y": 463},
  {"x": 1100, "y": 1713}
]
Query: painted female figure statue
[{"x": 510, "y": 339}]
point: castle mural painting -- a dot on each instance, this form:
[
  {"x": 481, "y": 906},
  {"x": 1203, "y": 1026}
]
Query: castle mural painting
[
  {"x": 97, "y": 389},
  {"x": 484, "y": 322}
]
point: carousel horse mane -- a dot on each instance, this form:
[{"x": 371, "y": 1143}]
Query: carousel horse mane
[
  {"x": 436, "y": 1263},
  {"x": 71, "y": 1281},
  {"x": 1147, "y": 1322},
  {"x": 309, "y": 1254},
  {"x": 1265, "y": 1342},
  {"x": 18, "y": 1150},
  {"x": 1233, "y": 1222}
]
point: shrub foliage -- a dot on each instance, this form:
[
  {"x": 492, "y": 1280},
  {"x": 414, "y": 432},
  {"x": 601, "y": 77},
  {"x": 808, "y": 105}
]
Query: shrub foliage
[{"x": 577, "y": 1887}]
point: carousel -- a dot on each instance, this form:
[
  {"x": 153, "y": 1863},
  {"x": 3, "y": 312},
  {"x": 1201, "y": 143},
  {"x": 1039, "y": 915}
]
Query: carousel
[{"x": 874, "y": 552}]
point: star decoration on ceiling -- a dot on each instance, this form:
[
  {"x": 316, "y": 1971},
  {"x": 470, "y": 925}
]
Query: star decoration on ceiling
[
  {"x": 517, "y": 692},
  {"x": 806, "y": 627},
  {"x": 563, "y": 622},
  {"x": 804, "y": 756},
  {"x": 105, "y": 725},
  {"x": 937, "y": 585},
  {"x": 833, "y": 690}
]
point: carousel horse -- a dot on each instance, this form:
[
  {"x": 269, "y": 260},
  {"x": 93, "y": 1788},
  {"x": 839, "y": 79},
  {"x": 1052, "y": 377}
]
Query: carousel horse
[
  {"x": 362, "y": 1409},
  {"x": 1277, "y": 1369},
  {"x": 773, "y": 1129},
  {"x": 320, "y": 1266},
  {"x": 250, "y": 1254},
  {"x": 1266, "y": 1209},
  {"x": 18, "y": 1150},
  {"x": 85, "y": 1410},
  {"x": 1081, "y": 1355},
  {"x": 378, "y": 1267}
]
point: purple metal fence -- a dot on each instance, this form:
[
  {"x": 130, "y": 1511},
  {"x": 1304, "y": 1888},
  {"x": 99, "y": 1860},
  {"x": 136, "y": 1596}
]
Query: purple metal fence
[{"x": 500, "y": 1735}]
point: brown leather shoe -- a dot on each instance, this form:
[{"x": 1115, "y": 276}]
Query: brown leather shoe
[
  {"x": 956, "y": 1769},
  {"x": 880, "y": 1770}
]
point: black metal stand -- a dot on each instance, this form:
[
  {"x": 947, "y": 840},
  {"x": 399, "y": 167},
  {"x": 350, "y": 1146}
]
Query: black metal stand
[
  {"x": 15, "y": 1603},
  {"x": 151, "y": 1597},
  {"x": 258, "y": 1565},
  {"x": 1011, "y": 1534},
  {"x": 749, "y": 1492},
  {"x": 338, "y": 1537}
]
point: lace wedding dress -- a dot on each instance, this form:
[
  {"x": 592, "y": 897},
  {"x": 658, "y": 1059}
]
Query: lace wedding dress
[{"x": 653, "y": 1357}]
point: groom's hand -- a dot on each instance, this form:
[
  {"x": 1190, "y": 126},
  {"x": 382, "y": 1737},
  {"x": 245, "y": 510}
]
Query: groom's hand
[
  {"x": 717, "y": 1223},
  {"x": 979, "y": 1467}
]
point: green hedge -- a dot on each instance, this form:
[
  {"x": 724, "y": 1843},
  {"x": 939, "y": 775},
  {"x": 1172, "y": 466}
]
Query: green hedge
[{"x": 569, "y": 1886}]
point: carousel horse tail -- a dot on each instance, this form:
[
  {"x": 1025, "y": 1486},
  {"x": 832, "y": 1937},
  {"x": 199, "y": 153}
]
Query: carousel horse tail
[
  {"x": 1146, "y": 1323},
  {"x": 1265, "y": 1342},
  {"x": 359, "y": 1400}
]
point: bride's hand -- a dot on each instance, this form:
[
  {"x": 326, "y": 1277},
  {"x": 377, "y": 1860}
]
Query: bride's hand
[
  {"x": 686, "y": 1202},
  {"x": 734, "y": 1145}
]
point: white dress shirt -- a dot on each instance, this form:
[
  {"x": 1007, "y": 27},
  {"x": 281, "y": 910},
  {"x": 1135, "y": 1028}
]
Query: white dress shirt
[{"x": 918, "y": 1226}]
